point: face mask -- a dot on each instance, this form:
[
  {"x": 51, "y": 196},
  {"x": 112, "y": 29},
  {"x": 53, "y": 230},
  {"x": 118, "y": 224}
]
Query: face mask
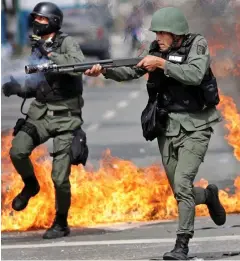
[{"x": 41, "y": 29}]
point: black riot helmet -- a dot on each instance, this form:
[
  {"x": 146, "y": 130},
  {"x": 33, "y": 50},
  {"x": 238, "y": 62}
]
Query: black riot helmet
[{"x": 54, "y": 15}]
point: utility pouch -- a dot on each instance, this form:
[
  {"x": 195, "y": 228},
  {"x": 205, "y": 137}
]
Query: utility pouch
[
  {"x": 20, "y": 122},
  {"x": 210, "y": 92},
  {"x": 153, "y": 120},
  {"x": 79, "y": 149}
]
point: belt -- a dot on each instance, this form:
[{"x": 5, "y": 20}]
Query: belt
[{"x": 63, "y": 113}]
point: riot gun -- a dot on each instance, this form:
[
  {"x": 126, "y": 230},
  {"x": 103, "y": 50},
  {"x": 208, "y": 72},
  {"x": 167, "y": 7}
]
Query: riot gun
[{"x": 81, "y": 67}]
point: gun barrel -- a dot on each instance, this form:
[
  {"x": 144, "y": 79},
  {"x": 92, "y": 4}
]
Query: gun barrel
[
  {"x": 31, "y": 69},
  {"x": 108, "y": 61},
  {"x": 45, "y": 67},
  {"x": 81, "y": 67}
]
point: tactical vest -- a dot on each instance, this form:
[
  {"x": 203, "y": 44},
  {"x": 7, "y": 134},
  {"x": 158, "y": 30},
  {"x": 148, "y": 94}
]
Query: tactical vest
[
  {"x": 56, "y": 86},
  {"x": 174, "y": 95}
]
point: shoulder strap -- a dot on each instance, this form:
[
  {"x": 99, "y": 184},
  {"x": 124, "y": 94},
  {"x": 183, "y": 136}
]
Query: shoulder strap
[
  {"x": 189, "y": 39},
  {"x": 62, "y": 36},
  {"x": 187, "y": 44},
  {"x": 59, "y": 39}
]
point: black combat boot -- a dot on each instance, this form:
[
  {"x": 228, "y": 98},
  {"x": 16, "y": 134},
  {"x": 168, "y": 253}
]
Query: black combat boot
[
  {"x": 180, "y": 251},
  {"x": 30, "y": 189},
  {"x": 216, "y": 210},
  {"x": 58, "y": 229}
]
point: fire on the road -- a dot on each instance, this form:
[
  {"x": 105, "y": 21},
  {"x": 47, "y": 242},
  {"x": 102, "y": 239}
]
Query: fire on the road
[{"x": 117, "y": 192}]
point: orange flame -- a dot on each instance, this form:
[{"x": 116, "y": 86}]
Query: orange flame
[
  {"x": 117, "y": 192},
  {"x": 230, "y": 113}
]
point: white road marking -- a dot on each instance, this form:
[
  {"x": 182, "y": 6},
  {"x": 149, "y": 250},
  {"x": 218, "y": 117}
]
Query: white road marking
[
  {"x": 142, "y": 150},
  {"x": 133, "y": 94},
  {"x": 119, "y": 242},
  {"x": 122, "y": 104},
  {"x": 224, "y": 160},
  {"x": 92, "y": 127},
  {"x": 108, "y": 115}
]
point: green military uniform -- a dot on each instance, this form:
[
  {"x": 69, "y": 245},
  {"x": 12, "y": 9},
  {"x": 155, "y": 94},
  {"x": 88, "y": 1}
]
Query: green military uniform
[
  {"x": 55, "y": 113},
  {"x": 185, "y": 142},
  {"x": 60, "y": 128},
  {"x": 186, "y": 91}
]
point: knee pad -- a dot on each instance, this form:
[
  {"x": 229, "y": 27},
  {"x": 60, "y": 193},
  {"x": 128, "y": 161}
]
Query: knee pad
[{"x": 31, "y": 130}]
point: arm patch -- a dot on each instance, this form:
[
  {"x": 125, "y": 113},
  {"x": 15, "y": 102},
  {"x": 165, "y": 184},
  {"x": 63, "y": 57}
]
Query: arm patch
[{"x": 201, "y": 49}]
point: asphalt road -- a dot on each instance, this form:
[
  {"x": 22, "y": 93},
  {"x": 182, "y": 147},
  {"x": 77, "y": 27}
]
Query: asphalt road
[
  {"x": 136, "y": 241},
  {"x": 112, "y": 120}
]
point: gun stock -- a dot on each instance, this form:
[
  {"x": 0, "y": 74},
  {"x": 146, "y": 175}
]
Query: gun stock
[{"x": 81, "y": 67}]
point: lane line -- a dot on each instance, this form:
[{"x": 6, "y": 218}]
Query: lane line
[
  {"x": 134, "y": 94},
  {"x": 108, "y": 115},
  {"x": 118, "y": 242},
  {"x": 122, "y": 104},
  {"x": 93, "y": 127}
]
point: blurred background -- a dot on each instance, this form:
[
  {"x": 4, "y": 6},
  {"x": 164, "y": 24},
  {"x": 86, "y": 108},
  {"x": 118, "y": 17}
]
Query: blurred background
[
  {"x": 98, "y": 25},
  {"x": 119, "y": 28}
]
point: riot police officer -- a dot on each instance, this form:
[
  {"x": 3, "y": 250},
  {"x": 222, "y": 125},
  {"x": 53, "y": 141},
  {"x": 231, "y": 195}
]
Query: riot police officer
[
  {"x": 54, "y": 113},
  {"x": 183, "y": 85}
]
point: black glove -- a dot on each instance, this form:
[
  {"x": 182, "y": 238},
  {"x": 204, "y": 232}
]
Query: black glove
[
  {"x": 45, "y": 47},
  {"x": 11, "y": 88}
]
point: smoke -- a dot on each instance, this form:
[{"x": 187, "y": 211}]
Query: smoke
[
  {"x": 219, "y": 23},
  {"x": 16, "y": 67},
  {"x": 13, "y": 67}
]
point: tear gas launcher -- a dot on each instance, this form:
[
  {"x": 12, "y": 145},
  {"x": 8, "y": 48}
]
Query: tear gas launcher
[{"x": 81, "y": 67}]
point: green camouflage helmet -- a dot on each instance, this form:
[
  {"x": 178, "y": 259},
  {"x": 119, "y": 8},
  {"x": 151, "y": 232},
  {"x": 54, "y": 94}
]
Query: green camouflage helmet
[{"x": 169, "y": 19}]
